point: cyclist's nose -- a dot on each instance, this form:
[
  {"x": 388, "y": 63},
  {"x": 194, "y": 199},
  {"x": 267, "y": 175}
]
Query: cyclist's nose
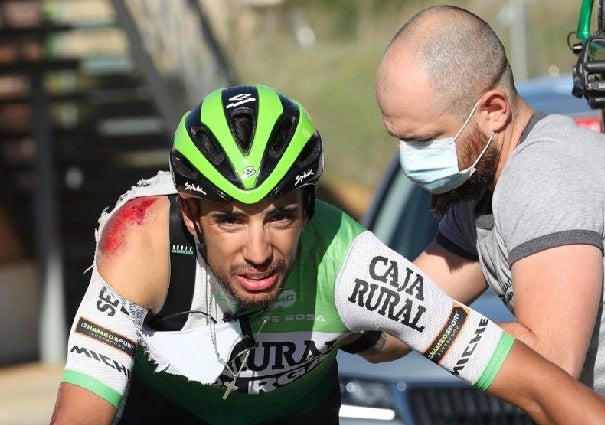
[{"x": 258, "y": 249}]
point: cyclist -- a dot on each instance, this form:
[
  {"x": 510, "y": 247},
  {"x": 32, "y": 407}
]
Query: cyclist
[{"x": 221, "y": 291}]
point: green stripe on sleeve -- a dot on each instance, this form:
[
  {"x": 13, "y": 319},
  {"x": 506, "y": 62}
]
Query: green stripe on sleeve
[
  {"x": 92, "y": 385},
  {"x": 495, "y": 363}
]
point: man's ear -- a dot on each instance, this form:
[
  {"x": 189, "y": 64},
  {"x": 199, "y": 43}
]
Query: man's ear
[
  {"x": 494, "y": 111},
  {"x": 190, "y": 211}
]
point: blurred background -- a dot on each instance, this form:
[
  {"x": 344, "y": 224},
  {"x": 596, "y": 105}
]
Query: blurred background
[{"x": 91, "y": 91}]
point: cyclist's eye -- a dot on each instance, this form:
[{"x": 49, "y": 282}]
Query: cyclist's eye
[
  {"x": 281, "y": 216},
  {"x": 284, "y": 215},
  {"x": 227, "y": 219}
]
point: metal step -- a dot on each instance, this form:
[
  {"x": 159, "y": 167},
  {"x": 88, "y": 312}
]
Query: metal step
[
  {"x": 23, "y": 66},
  {"x": 40, "y": 32}
]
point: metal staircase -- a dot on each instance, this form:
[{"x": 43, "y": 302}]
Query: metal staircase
[{"x": 90, "y": 93}]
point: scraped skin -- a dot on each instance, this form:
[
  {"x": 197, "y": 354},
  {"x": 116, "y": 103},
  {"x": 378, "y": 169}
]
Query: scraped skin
[
  {"x": 133, "y": 213},
  {"x": 132, "y": 255}
]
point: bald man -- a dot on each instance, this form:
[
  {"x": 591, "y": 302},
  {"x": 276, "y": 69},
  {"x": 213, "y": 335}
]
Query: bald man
[{"x": 520, "y": 194}]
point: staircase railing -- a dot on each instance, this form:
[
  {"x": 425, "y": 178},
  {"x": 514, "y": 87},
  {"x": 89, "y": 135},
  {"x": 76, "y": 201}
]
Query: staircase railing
[{"x": 176, "y": 49}]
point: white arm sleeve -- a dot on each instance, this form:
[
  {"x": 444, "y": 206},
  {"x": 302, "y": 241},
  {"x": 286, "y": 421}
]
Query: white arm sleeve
[
  {"x": 379, "y": 289},
  {"x": 102, "y": 341}
]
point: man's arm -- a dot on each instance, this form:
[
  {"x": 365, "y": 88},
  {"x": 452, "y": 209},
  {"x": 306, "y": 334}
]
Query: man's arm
[
  {"x": 77, "y": 406},
  {"x": 460, "y": 278},
  {"x": 560, "y": 285},
  {"x": 133, "y": 251},
  {"x": 557, "y": 294},
  {"x": 542, "y": 389},
  {"x": 379, "y": 288},
  {"x": 129, "y": 277},
  {"x": 521, "y": 381}
]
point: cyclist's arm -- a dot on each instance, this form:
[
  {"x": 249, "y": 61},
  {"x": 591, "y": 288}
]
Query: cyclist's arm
[
  {"x": 128, "y": 279},
  {"x": 521, "y": 381},
  {"x": 544, "y": 390},
  {"x": 133, "y": 254},
  {"x": 77, "y": 406},
  {"x": 378, "y": 288},
  {"x": 458, "y": 277}
]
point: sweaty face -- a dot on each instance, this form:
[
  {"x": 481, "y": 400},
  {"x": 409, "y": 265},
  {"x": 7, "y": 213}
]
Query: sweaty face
[{"x": 251, "y": 248}]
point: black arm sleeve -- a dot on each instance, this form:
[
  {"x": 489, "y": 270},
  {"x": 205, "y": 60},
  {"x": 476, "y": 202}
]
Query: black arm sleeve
[{"x": 366, "y": 341}]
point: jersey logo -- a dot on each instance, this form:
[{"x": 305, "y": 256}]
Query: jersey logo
[
  {"x": 101, "y": 358},
  {"x": 181, "y": 249},
  {"x": 398, "y": 295},
  {"x": 92, "y": 330},
  {"x": 448, "y": 334},
  {"x": 468, "y": 351},
  {"x": 286, "y": 299},
  {"x": 240, "y": 99}
]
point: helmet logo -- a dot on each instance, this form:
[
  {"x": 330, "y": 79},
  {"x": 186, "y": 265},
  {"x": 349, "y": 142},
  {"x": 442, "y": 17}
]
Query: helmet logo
[
  {"x": 194, "y": 188},
  {"x": 240, "y": 99},
  {"x": 248, "y": 172},
  {"x": 302, "y": 177}
]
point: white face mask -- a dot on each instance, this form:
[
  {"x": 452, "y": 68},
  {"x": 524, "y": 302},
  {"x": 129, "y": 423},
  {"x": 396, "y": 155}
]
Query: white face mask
[{"x": 434, "y": 164}]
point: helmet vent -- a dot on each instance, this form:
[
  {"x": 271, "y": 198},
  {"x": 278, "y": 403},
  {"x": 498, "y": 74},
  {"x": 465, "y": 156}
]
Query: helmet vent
[
  {"x": 242, "y": 129},
  {"x": 182, "y": 167},
  {"x": 207, "y": 145},
  {"x": 281, "y": 135},
  {"x": 310, "y": 152}
]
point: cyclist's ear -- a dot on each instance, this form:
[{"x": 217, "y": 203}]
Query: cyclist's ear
[
  {"x": 190, "y": 211},
  {"x": 494, "y": 111}
]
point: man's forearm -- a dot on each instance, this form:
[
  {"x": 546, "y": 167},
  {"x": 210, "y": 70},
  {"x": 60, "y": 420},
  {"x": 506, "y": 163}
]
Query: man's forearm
[
  {"x": 563, "y": 358},
  {"x": 77, "y": 406}
]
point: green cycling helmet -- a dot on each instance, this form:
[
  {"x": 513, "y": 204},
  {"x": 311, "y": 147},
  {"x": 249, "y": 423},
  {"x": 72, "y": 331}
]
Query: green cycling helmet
[{"x": 246, "y": 143}]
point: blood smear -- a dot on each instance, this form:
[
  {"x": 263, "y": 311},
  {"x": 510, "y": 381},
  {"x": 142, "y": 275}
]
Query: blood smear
[{"x": 133, "y": 212}]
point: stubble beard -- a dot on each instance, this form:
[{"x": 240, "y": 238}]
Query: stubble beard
[
  {"x": 475, "y": 186},
  {"x": 247, "y": 299}
]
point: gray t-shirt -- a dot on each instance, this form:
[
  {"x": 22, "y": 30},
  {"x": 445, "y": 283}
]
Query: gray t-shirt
[{"x": 550, "y": 193}]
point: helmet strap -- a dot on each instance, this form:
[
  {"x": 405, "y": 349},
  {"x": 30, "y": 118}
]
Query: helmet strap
[
  {"x": 196, "y": 227},
  {"x": 308, "y": 200}
]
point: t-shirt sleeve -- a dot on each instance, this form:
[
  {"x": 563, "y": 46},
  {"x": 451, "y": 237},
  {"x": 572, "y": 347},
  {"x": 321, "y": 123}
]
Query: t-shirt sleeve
[
  {"x": 457, "y": 232},
  {"x": 537, "y": 207}
]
